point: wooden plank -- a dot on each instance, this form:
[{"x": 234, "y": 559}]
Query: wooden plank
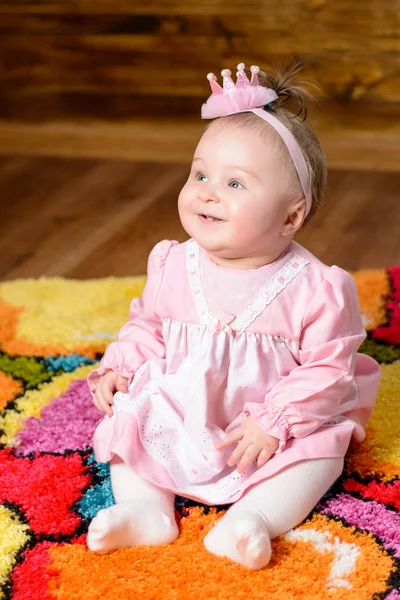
[
  {"x": 23, "y": 180},
  {"x": 10, "y": 167},
  {"x": 139, "y": 141},
  {"x": 75, "y": 219},
  {"x": 127, "y": 251},
  {"x": 188, "y": 7},
  {"x": 77, "y": 24},
  {"x": 111, "y": 64},
  {"x": 176, "y": 67},
  {"x": 358, "y": 136},
  {"x": 87, "y": 107},
  {"x": 26, "y": 197},
  {"x": 358, "y": 225},
  {"x": 341, "y": 27}
]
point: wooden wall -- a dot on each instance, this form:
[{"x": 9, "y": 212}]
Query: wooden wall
[{"x": 119, "y": 59}]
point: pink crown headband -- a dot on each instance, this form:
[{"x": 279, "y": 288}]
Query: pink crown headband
[{"x": 250, "y": 96}]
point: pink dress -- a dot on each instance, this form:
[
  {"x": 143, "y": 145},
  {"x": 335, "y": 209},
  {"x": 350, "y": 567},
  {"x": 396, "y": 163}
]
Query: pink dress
[{"x": 206, "y": 346}]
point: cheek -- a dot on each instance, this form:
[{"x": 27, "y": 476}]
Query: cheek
[
  {"x": 253, "y": 215},
  {"x": 188, "y": 192},
  {"x": 183, "y": 199},
  {"x": 185, "y": 205},
  {"x": 242, "y": 209}
]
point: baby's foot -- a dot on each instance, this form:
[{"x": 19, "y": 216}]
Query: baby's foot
[
  {"x": 243, "y": 537},
  {"x": 136, "y": 523}
]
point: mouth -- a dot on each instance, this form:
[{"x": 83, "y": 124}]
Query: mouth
[{"x": 210, "y": 219}]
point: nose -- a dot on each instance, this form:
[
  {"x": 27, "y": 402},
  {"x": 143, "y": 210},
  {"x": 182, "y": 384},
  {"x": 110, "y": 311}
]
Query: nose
[{"x": 208, "y": 193}]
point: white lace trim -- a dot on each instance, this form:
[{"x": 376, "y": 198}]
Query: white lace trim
[
  {"x": 256, "y": 306},
  {"x": 269, "y": 292},
  {"x": 193, "y": 269}
]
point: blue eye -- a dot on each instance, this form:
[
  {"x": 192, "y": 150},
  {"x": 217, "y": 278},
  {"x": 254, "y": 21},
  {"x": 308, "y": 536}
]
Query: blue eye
[
  {"x": 236, "y": 185},
  {"x": 201, "y": 177}
]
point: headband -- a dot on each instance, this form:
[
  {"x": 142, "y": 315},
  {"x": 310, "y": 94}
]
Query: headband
[{"x": 250, "y": 96}]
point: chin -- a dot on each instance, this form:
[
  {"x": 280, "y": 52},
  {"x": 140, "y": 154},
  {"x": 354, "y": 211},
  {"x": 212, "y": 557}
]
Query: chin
[{"x": 208, "y": 244}]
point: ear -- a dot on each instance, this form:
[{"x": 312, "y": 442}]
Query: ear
[{"x": 295, "y": 217}]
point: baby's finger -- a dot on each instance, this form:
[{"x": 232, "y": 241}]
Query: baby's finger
[
  {"x": 122, "y": 384},
  {"x": 263, "y": 457},
  {"x": 247, "y": 458},
  {"x": 237, "y": 453},
  {"x": 104, "y": 393},
  {"x": 96, "y": 403},
  {"x": 106, "y": 408},
  {"x": 234, "y": 436},
  {"x": 103, "y": 405}
]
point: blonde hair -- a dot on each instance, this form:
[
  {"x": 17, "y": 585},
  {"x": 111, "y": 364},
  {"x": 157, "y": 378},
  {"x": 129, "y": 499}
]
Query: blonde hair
[{"x": 284, "y": 82}]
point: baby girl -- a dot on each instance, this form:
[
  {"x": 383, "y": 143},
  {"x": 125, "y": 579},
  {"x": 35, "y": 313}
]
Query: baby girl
[{"x": 236, "y": 379}]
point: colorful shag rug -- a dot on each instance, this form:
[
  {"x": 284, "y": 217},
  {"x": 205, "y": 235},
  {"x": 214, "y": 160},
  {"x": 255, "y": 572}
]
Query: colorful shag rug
[{"x": 52, "y": 331}]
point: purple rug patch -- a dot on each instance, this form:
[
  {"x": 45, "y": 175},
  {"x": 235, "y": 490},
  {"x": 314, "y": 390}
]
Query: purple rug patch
[
  {"x": 371, "y": 516},
  {"x": 67, "y": 423}
]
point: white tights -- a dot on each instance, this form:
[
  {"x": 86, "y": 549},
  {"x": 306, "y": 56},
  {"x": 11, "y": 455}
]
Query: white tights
[{"x": 144, "y": 513}]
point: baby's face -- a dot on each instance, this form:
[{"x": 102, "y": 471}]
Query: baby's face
[{"x": 233, "y": 201}]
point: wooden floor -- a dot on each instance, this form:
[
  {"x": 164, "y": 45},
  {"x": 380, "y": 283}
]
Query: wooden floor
[{"x": 87, "y": 218}]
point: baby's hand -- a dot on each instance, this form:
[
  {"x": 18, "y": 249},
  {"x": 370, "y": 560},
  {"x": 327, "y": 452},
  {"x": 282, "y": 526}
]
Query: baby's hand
[
  {"x": 108, "y": 384},
  {"x": 253, "y": 442}
]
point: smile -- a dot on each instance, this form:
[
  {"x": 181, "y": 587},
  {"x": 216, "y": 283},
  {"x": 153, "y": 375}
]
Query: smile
[{"x": 209, "y": 219}]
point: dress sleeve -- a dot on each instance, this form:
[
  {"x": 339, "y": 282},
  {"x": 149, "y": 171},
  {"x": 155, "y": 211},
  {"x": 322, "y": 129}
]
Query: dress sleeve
[
  {"x": 312, "y": 392},
  {"x": 140, "y": 339}
]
